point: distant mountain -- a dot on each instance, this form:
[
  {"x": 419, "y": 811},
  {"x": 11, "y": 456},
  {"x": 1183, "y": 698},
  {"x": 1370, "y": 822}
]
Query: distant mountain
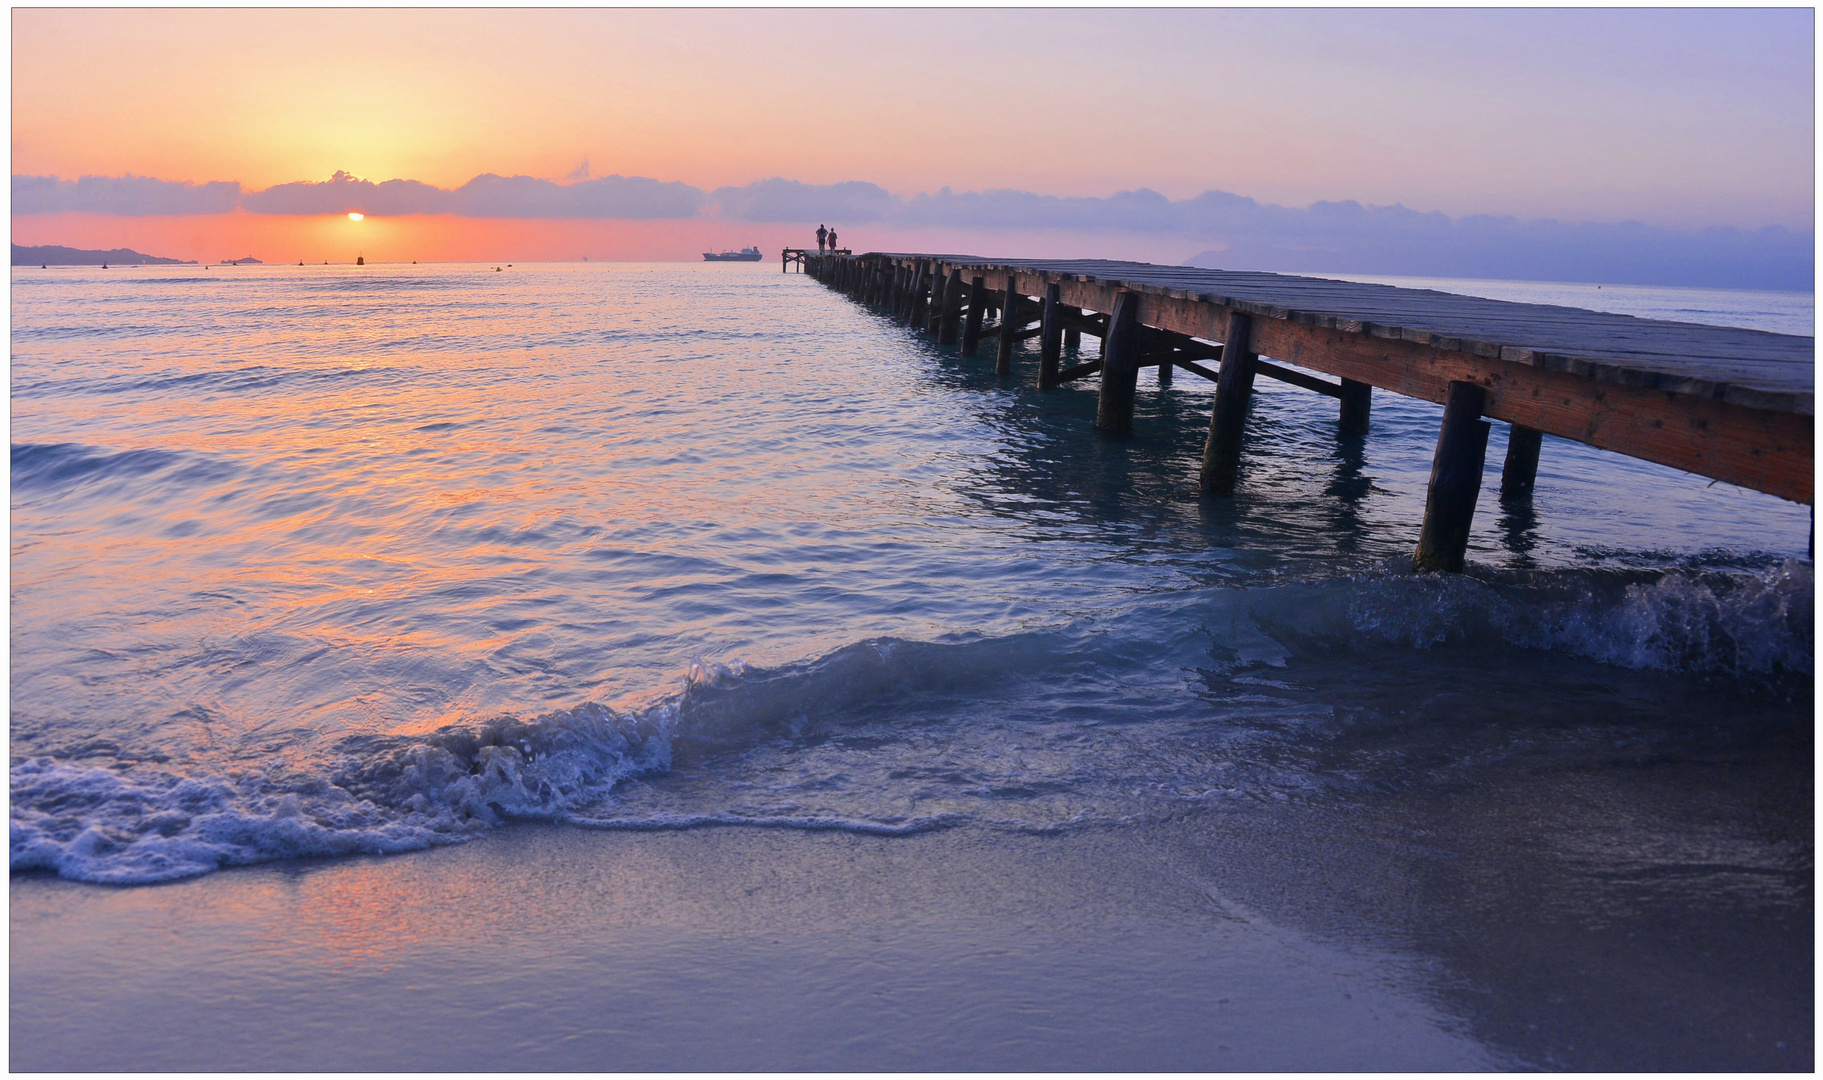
[
  {"x": 248, "y": 261},
  {"x": 57, "y": 255}
]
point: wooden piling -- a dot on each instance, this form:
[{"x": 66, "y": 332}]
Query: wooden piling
[
  {"x": 1521, "y": 471},
  {"x": 977, "y": 307},
  {"x": 949, "y": 327},
  {"x": 1357, "y": 402},
  {"x": 1165, "y": 368},
  {"x": 1050, "y": 337},
  {"x": 1119, "y": 367},
  {"x": 1233, "y": 393},
  {"x": 915, "y": 303},
  {"x": 1449, "y": 505},
  {"x": 1072, "y": 338},
  {"x": 939, "y": 289},
  {"x": 1010, "y": 303}
]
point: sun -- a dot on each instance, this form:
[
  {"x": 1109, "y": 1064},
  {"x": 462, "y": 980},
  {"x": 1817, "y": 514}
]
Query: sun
[{"x": 352, "y": 216}]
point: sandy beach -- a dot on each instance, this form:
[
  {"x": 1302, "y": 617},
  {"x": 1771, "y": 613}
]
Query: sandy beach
[{"x": 1420, "y": 934}]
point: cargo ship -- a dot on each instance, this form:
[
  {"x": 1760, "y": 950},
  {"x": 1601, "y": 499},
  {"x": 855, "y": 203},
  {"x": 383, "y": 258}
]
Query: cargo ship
[{"x": 746, "y": 254}]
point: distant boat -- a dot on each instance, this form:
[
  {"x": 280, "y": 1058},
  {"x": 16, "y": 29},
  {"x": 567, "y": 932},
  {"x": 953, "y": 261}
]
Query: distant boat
[
  {"x": 746, "y": 254},
  {"x": 360, "y": 260}
]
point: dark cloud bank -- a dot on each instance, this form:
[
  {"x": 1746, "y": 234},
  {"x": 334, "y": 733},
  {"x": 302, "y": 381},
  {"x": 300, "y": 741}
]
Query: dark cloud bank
[{"x": 1231, "y": 231}]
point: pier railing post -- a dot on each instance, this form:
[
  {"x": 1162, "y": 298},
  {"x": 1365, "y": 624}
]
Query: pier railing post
[
  {"x": 1357, "y": 402},
  {"x": 977, "y": 307},
  {"x": 1050, "y": 336},
  {"x": 1233, "y": 393},
  {"x": 1521, "y": 471},
  {"x": 1119, "y": 367},
  {"x": 1449, "y": 505},
  {"x": 1010, "y": 303},
  {"x": 949, "y": 325}
]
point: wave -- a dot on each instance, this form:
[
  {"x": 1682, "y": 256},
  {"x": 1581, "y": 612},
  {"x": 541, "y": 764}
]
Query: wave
[
  {"x": 1735, "y": 623},
  {"x": 37, "y": 466},
  {"x": 1035, "y": 730}
]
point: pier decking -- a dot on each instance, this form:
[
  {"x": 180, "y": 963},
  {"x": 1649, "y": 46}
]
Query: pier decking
[{"x": 1730, "y": 404}]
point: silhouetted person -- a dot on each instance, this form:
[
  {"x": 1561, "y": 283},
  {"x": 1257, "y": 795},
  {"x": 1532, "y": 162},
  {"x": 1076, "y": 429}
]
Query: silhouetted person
[
  {"x": 832, "y": 240},
  {"x": 822, "y": 235}
]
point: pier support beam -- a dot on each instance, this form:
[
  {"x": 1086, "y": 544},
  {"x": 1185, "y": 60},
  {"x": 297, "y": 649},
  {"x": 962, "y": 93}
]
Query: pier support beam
[
  {"x": 949, "y": 325},
  {"x": 1050, "y": 336},
  {"x": 1521, "y": 471},
  {"x": 1449, "y": 506},
  {"x": 1233, "y": 393},
  {"x": 977, "y": 307},
  {"x": 1010, "y": 303},
  {"x": 1119, "y": 367},
  {"x": 1357, "y": 403},
  {"x": 1165, "y": 368},
  {"x": 1072, "y": 338}
]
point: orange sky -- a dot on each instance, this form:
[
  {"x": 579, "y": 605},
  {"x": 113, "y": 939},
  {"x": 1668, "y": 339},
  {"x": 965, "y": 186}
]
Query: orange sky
[{"x": 1670, "y": 120}]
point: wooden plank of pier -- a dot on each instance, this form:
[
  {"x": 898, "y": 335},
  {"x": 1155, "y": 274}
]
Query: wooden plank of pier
[{"x": 1730, "y": 404}]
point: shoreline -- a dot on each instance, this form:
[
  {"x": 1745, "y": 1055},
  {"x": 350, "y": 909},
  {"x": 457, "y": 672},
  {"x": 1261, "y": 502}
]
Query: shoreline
[{"x": 1287, "y": 938}]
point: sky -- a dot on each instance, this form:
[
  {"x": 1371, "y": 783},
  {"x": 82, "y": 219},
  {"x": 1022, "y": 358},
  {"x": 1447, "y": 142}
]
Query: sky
[{"x": 654, "y": 133}]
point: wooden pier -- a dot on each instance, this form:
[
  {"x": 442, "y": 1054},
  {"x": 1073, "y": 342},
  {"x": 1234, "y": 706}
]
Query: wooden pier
[
  {"x": 1729, "y": 404},
  {"x": 800, "y": 257}
]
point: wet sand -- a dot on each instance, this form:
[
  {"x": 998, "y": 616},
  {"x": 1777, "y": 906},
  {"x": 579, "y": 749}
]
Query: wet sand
[{"x": 1421, "y": 933}]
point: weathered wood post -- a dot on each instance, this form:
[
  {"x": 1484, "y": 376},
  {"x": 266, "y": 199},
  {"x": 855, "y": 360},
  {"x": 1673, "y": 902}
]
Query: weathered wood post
[
  {"x": 1166, "y": 367},
  {"x": 1010, "y": 303},
  {"x": 1449, "y": 505},
  {"x": 919, "y": 302},
  {"x": 1072, "y": 338},
  {"x": 1233, "y": 393},
  {"x": 1119, "y": 367},
  {"x": 1050, "y": 336},
  {"x": 939, "y": 289},
  {"x": 949, "y": 326},
  {"x": 977, "y": 307},
  {"x": 1521, "y": 471},
  {"x": 1357, "y": 402}
]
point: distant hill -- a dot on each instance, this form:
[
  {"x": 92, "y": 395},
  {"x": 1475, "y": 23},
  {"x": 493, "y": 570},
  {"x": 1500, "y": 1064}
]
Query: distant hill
[{"x": 57, "y": 255}]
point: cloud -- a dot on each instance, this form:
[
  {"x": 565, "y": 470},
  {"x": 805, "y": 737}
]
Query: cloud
[
  {"x": 1231, "y": 231},
  {"x": 778, "y": 199},
  {"x": 633, "y": 198},
  {"x": 343, "y": 193},
  {"x": 126, "y": 196},
  {"x": 1349, "y": 238}
]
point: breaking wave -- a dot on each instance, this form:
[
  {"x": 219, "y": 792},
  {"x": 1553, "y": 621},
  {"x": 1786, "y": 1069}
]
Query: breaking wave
[{"x": 374, "y": 794}]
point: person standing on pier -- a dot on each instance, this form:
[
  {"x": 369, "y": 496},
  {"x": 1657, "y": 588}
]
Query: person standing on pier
[
  {"x": 822, "y": 234},
  {"x": 832, "y": 240}
]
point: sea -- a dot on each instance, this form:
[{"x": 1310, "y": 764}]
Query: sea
[{"x": 322, "y": 563}]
